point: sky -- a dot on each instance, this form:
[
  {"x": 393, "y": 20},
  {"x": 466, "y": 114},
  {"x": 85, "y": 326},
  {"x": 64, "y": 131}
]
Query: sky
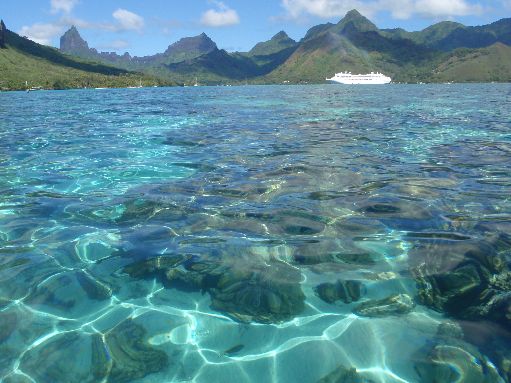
[{"x": 145, "y": 27}]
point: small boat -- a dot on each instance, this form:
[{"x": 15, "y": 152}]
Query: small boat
[{"x": 196, "y": 83}]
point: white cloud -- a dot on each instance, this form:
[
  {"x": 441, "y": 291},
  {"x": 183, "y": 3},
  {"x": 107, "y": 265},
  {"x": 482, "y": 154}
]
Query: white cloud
[
  {"x": 325, "y": 8},
  {"x": 400, "y": 9},
  {"x": 65, "y": 6},
  {"x": 128, "y": 20},
  {"x": 223, "y": 16},
  {"x": 41, "y": 33}
]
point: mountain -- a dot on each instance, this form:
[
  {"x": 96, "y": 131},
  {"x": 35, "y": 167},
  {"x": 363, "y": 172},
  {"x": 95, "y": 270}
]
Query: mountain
[
  {"x": 353, "y": 44},
  {"x": 447, "y": 35},
  {"x": 281, "y": 41},
  {"x": 446, "y": 51},
  {"x": 2, "y": 34},
  {"x": 71, "y": 42},
  {"x": 191, "y": 57},
  {"x": 487, "y": 64},
  {"x": 23, "y": 61},
  {"x": 189, "y": 48},
  {"x": 215, "y": 67},
  {"x": 185, "y": 49}
]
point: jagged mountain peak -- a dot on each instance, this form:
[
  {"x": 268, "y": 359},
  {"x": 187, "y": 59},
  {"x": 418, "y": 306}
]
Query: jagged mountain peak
[
  {"x": 197, "y": 45},
  {"x": 280, "y": 36},
  {"x": 277, "y": 43},
  {"x": 353, "y": 14},
  {"x": 355, "y": 20},
  {"x": 72, "y": 42},
  {"x": 2, "y": 34}
]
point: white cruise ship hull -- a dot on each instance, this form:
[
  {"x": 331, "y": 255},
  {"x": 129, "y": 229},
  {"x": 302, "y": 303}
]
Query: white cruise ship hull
[
  {"x": 361, "y": 79},
  {"x": 358, "y": 82}
]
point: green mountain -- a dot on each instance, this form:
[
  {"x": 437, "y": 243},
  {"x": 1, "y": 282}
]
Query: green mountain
[
  {"x": 281, "y": 41},
  {"x": 354, "y": 44},
  {"x": 187, "y": 48},
  {"x": 192, "y": 57},
  {"x": 446, "y": 51},
  {"x": 447, "y": 35},
  {"x": 488, "y": 64},
  {"x": 22, "y": 61},
  {"x": 214, "y": 67},
  {"x": 3, "y": 30}
]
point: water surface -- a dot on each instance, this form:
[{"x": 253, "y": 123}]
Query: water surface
[{"x": 256, "y": 234}]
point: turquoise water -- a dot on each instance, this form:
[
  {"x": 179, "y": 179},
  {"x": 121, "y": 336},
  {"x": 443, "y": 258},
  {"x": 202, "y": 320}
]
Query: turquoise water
[{"x": 256, "y": 234}]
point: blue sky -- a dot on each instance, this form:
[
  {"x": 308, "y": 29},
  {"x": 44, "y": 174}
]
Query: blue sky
[{"x": 144, "y": 27}]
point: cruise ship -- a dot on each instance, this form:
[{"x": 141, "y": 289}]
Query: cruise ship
[{"x": 351, "y": 79}]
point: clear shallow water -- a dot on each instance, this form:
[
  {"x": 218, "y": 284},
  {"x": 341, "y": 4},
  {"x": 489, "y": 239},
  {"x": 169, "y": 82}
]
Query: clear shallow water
[{"x": 256, "y": 234}]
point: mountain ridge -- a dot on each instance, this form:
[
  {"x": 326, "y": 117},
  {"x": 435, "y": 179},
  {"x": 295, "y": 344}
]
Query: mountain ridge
[
  {"x": 24, "y": 63},
  {"x": 445, "y": 51},
  {"x": 354, "y": 43}
]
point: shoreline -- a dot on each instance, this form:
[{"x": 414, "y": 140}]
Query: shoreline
[{"x": 267, "y": 84}]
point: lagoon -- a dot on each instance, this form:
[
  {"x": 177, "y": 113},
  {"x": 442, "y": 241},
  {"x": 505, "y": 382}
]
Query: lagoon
[{"x": 256, "y": 234}]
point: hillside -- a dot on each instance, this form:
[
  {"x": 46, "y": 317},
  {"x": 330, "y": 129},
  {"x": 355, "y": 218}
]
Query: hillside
[
  {"x": 446, "y": 51},
  {"x": 481, "y": 65},
  {"x": 356, "y": 45},
  {"x": 22, "y": 61},
  {"x": 442, "y": 52}
]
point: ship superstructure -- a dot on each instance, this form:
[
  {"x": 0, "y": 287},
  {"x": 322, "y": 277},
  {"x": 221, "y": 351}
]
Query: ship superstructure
[{"x": 352, "y": 79}]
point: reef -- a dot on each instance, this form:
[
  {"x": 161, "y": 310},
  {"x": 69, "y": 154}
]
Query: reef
[
  {"x": 8, "y": 325},
  {"x": 344, "y": 375},
  {"x": 246, "y": 289},
  {"x": 466, "y": 279},
  {"x": 447, "y": 358},
  {"x": 347, "y": 291},
  {"x": 470, "y": 281},
  {"x": 394, "y": 305},
  {"x": 131, "y": 357}
]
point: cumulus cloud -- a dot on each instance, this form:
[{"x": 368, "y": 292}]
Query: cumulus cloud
[
  {"x": 41, "y": 33},
  {"x": 128, "y": 20},
  {"x": 223, "y": 16},
  {"x": 400, "y": 9},
  {"x": 65, "y": 6}
]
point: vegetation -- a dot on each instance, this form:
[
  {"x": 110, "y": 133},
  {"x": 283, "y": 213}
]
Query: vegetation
[
  {"x": 23, "y": 61},
  {"x": 446, "y": 51},
  {"x": 443, "y": 52}
]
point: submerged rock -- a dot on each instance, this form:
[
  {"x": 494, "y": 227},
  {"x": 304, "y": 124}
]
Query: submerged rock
[
  {"x": 233, "y": 350},
  {"x": 344, "y": 375},
  {"x": 9, "y": 321},
  {"x": 394, "y": 305},
  {"x": 266, "y": 293},
  {"x": 456, "y": 362},
  {"x": 465, "y": 279},
  {"x": 347, "y": 291},
  {"x": 131, "y": 356},
  {"x": 245, "y": 289},
  {"x": 93, "y": 288},
  {"x": 142, "y": 210},
  {"x": 352, "y": 258},
  {"x": 149, "y": 268}
]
